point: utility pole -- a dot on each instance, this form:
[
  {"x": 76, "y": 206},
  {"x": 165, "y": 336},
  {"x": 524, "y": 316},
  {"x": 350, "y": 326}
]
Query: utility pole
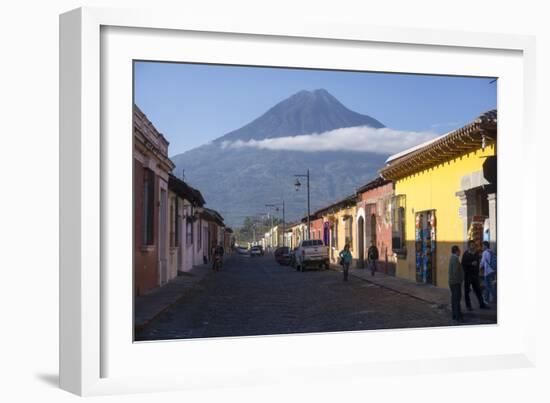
[
  {"x": 271, "y": 232},
  {"x": 297, "y": 185},
  {"x": 284, "y": 223}
]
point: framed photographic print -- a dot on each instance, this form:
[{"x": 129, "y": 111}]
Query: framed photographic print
[{"x": 239, "y": 200}]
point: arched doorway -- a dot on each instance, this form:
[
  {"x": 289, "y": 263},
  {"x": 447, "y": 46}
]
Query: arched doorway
[{"x": 361, "y": 241}]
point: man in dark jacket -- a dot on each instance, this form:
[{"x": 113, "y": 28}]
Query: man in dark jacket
[
  {"x": 372, "y": 257},
  {"x": 470, "y": 265},
  {"x": 456, "y": 277}
]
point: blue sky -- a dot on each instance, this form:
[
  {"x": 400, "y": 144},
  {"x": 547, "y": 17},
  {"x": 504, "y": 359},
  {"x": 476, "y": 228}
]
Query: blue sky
[{"x": 192, "y": 104}]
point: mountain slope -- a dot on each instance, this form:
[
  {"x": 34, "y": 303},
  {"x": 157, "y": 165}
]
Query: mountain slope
[
  {"x": 238, "y": 182},
  {"x": 303, "y": 113}
]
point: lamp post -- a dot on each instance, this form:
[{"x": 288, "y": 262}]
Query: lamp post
[
  {"x": 276, "y": 205},
  {"x": 297, "y": 185}
]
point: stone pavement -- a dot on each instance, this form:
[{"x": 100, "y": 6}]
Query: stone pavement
[
  {"x": 159, "y": 302},
  {"x": 426, "y": 292},
  {"x": 253, "y": 296},
  {"x": 149, "y": 306}
]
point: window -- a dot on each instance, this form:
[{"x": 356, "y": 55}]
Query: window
[
  {"x": 189, "y": 230},
  {"x": 348, "y": 230},
  {"x": 148, "y": 206},
  {"x": 398, "y": 224},
  {"x": 172, "y": 226},
  {"x": 334, "y": 234}
]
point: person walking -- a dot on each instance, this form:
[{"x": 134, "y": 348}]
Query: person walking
[
  {"x": 489, "y": 265},
  {"x": 456, "y": 277},
  {"x": 470, "y": 265},
  {"x": 372, "y": 257},
  {"x": 218, "y": 257},
  {"x": 345, "y": 260}
]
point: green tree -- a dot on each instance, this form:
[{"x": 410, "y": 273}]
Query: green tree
[{"x": 254, "y": 227}]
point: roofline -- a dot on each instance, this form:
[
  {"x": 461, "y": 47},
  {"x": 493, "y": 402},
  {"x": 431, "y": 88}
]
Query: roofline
[
  {"x": 194, "y": 196},
  {"x": 142, "y": 115},
  {"x": 373, "y": 184},
  {"x": 352, "y": 199},
  {"x": 451, "y": 145}
]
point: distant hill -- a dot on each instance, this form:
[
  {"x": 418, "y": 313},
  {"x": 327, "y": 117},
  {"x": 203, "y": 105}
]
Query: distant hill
[{"x": 238, "y": 182}]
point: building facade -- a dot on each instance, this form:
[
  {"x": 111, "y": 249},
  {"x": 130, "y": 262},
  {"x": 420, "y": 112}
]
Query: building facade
[
  {"x": 186, "y": 241},
  {"x": 151, "y": 167},
  {"x": 445, "y": 195},
  {"x": 338, "y": 227},
  {"x": 316, "y": 227},
  {"x": 215, "y": 233},
  {"x": 373, "y": 224},
  {"x": 298, "y": 233}
]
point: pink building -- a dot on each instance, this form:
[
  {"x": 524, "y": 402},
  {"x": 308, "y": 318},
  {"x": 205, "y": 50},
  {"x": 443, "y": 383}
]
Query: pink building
[
  {"x": 151, "y": 172},
  {"x": 373, "y": 223}
]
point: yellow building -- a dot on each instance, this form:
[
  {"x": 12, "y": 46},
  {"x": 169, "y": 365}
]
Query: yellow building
[
  {"x": 340, "y": 217},
  {"x": 298, "y": 231},
  {"x": 445, "y": 194}
]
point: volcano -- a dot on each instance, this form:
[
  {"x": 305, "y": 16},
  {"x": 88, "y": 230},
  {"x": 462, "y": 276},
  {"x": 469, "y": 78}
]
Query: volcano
[{"x": 238, "y": 182}]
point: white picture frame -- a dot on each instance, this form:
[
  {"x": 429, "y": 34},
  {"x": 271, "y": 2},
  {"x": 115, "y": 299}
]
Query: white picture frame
[{"x": 96, "y": 354}]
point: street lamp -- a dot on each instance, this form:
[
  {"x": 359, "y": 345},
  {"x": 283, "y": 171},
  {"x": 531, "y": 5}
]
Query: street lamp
[
  {"x": 276, "y": 205},
  {"x": 297, "y": 186}
]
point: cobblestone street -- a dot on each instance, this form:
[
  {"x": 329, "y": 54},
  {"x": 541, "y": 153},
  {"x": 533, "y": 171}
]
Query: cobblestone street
[{"x": 257, "y": 296}]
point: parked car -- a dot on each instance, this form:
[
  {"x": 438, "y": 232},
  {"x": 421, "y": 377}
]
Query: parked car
[
  {"x": 311, "y": 253},
  {"x": 256, "y": 251},
  {"x": 241, "y": 250},
  {"x": 282, "y": 255}
]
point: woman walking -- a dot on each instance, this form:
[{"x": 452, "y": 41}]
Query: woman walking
[{"x": 345, "y": 260}]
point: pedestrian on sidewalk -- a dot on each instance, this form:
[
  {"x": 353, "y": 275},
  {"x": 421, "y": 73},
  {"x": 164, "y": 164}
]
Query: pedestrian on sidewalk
[
  {"x": 456, "y": 277},
  {"x": 489, "y": 265},
  {"x": 372, "y": 257},
  {"x": 470, "y": 265},
  {"x": 345, "y": 260}
]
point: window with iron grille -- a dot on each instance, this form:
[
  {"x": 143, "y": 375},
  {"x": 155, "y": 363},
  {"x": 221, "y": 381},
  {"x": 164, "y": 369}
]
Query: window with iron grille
[
  {"x": 148, "y": 206},
  {"x": 348, "y": 230},
  {"x": 335, "y": 235}
]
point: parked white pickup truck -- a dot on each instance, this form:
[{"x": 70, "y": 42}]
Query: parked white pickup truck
[{"x": 311, "y": 253}]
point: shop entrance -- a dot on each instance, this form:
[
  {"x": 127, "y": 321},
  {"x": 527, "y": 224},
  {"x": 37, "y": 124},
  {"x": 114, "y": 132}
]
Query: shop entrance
[
  {"x": 425, "y": 237},
  {"x": 478, "y": 228}
]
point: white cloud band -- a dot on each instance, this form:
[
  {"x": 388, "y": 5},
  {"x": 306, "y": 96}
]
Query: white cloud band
[{"x": 363, "y": 138}]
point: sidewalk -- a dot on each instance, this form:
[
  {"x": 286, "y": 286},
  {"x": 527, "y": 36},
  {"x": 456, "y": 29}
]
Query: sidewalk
[
  {"x": 149, "y": 306},
  {"x": 425, "y": 292}
]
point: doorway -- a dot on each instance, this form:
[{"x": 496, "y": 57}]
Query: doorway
[
  {"x": 425, "y": 243},
  {"x": 361, "y": 241},
  {"x": 373, "y": 228}
]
